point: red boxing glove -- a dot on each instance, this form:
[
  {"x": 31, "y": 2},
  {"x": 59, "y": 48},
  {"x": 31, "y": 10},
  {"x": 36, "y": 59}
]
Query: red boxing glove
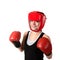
[
  {"x": 45, "y": 45},
  {"x": 15, "y": 37}
]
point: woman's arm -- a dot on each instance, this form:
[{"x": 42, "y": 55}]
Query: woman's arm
[
  {"x": 50, "y": 55},
  {"x": 23, "y": 41}
]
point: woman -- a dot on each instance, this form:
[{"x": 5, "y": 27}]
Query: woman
[{"x": 35, "y": 43}]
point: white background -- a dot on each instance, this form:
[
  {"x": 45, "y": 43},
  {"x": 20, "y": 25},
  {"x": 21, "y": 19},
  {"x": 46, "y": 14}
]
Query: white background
[{"x": 14, "y": 16}]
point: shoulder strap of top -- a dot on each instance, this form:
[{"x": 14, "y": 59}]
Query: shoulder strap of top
[
  {"x": 27, "y": 35},
  {"x": 41, "y": 35}
]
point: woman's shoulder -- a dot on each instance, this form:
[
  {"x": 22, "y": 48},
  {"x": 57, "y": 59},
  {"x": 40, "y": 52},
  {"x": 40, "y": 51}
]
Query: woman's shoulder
[
  {"x": 25, "y": 33},
  {"x": 46, "y": 36}
]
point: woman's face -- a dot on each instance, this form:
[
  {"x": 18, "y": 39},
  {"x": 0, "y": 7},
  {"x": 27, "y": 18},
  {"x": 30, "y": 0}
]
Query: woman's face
[{"x": 34, "y": 25}]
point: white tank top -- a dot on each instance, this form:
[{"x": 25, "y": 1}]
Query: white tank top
[{"x": 29, "y": 42}]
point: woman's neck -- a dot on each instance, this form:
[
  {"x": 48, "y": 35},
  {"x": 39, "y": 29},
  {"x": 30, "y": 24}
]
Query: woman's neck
[
  {"x": 36, "y": 32},
  {"x": 33, "y": 35}
]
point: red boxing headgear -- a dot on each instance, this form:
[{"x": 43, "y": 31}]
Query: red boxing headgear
[{"x": 37, "y": 16}]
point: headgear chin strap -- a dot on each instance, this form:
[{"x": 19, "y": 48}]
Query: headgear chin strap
[{"x": 37, "y": 16}]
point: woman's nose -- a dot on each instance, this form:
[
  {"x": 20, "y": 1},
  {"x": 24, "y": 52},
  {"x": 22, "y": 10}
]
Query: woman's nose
[{"x": 34, "y": 22}]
